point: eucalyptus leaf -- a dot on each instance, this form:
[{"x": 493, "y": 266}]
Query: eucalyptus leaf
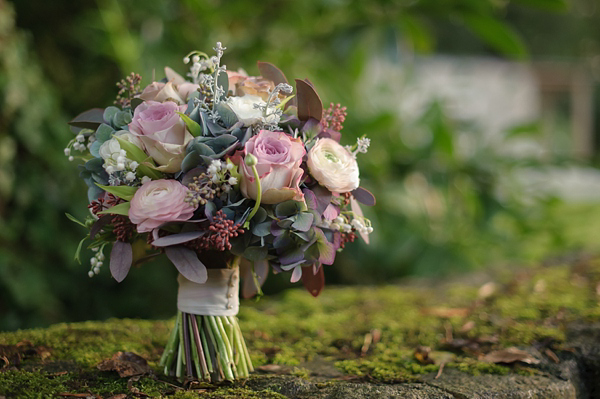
[
  {"x": 187, "y": 263},
  {"x": 228, "y": 117},
  {"x": 121, "y": 258},
  {"x": 175, "y": 239},
  {"x": 262, "y": 229},
  {"x": 104, "y": 133},
  {"x": 109, "y": 113},
  {"x": 255, "y": 253}
]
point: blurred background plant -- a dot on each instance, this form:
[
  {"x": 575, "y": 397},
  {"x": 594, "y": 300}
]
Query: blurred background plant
[{"x": 450, "y": 197}]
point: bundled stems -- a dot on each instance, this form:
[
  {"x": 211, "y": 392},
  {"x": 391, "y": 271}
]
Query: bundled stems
[{"x": 208, "y": 348}]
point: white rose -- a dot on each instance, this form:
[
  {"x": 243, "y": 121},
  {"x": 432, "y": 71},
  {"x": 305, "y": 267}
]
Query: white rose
[
  {"x": 244, "y": 109},
  {"x": 333, "y": 166}
]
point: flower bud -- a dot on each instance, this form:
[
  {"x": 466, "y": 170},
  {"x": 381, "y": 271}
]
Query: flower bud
[{"x": 250, "y": 160}]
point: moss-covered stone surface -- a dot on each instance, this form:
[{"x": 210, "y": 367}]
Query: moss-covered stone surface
[{"x": 415, "y": 340}]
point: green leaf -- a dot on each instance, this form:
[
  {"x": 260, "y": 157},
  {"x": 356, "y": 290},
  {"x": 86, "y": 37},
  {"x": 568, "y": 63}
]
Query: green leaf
[
  {"x": 78, "y": 251},
  {"x": 135, "y": 153},
  {"x": 193, "y": 126},
  {"x": 255, "y": 253},
  {"x": 74, "y": 219},
  {"x": 497, "y": 34},
  {"x": 120, "y": 209},
  {"x": 287, "y": 208},
  {"x": 124, "y": 192}
]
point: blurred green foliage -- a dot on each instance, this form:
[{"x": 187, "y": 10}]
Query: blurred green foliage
[{"x": 64, "y": 57}]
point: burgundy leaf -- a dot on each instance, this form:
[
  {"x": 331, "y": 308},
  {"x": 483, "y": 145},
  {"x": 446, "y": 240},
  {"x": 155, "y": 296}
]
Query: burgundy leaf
[
  {"x": 121, "y": 257},
  {"x": 89, "y": 119},
  {"x": 99, "y": 224},
  {"x": 187, "y": 263},
  {"x": 309, "y": 103},
  {"x": 323, "y": 197},
  {"x": 310, "y": 198},
  {"x": 271, "y": 72},
  {"x": 364, "y": 196},
  {"x": 261, "y": 268},
  {"x": 314, "y": 283},
  {"x": 175, "y": 239}
]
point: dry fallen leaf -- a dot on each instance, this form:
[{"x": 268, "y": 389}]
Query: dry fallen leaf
[
  {"x": 487, "y": 290},
  {"x": 446, "y": 313},
  {"x": 422, "y": 355},
  {"x": 510, "y": 355},
  {"x": 127, "y": 364}
]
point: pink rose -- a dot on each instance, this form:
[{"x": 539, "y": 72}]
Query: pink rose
[
  {"x": 163, "y": 133},
  {"x": 157, "y": 202},
  {"x": 176, "y": 89},
  {"x": 279, "y": 157}
]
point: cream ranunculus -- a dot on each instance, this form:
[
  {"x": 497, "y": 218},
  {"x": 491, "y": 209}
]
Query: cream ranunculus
[{"x": 333, "y": 166}]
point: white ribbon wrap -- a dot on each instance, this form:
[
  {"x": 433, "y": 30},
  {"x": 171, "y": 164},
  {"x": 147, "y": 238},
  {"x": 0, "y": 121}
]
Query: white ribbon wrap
[{"x": 218, "y": 296}]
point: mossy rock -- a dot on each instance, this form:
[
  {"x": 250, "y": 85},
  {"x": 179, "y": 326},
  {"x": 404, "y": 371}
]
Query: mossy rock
[{"x": 353, "y": 342}]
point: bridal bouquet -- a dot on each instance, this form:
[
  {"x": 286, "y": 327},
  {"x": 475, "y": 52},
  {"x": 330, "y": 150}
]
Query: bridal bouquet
[{"x": 229, "y": 176}]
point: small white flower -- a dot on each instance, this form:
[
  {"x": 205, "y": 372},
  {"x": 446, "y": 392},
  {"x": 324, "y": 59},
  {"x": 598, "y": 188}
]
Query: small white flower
[
  {"x": 95, "y": 249},
  {"x": 215, "y": 179},
  {"x": 109, "y": 169},
  {"x": 120, "y": 166},
  {"x": 100, "y": 256},
  {"x": 346, "y": 228},
  {"x": 67, "y": 152},
  {"x": 130, "y": 176},
  {"x": 145, "y": 179},
  {"x": 80, "y": 138},
  {"x": 91, "y": 274},
  {"x": 369, "y": 230},
  {"x": 121, "y": 159},
  {"x": 195, "y": 59},
  {"x": 233, "y": 181},
  {"x": 186, "y": 60},
  {"x": 96, "y": 270},
  {"x": 335, "y": 226},
  {"x": 71, "y": 158},
  {"x": 229, "y": 166},
  {"x": 339, "y": 220},
  {"x": 217, "y": 164},
  {"x": 93, "y": 262},
  {"x": 357, "y": 224},
  {"x": 133, "y": 165},
  {"x": 99, "y": 264},
  {"x": 212, "y": 170}
]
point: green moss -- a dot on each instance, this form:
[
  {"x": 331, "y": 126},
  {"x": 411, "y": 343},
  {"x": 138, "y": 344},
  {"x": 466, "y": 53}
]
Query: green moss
[
  {"x": 229, "y": 393},
  {"x": 294, "y": 329}
]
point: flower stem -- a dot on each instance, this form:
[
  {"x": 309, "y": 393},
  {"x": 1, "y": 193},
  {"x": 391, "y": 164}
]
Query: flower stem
[{"x": 258, "y": 196}]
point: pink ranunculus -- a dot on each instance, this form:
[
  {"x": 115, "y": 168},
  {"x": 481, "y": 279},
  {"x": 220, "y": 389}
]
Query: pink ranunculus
[
  {"x": 279, "y": 157},
  {"x": 157, "y": 202},
  {"x": 163, "y": 133}
]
